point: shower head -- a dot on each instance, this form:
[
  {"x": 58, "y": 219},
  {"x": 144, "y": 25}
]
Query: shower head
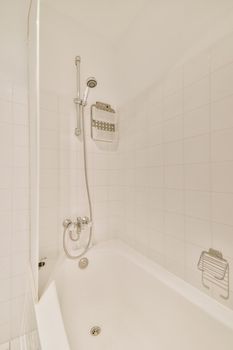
[{"x": 91, "y": 83}]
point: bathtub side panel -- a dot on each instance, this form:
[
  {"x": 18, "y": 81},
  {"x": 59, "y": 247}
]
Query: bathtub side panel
[{"x": 50, "y": 324}]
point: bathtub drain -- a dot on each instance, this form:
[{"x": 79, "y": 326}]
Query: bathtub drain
[{"x": 95, "y": 331}]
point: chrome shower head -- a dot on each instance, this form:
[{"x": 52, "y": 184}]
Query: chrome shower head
[{"x": 91, "y": 83}]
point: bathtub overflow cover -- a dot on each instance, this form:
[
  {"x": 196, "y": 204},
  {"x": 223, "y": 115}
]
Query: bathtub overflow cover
[
  {"x": 95, "y": 331},
  {"x": 83, "y": 263}
]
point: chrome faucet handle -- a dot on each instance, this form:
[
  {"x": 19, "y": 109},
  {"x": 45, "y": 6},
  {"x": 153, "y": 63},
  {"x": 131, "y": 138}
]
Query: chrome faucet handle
[
  {"x": 67, "y": 223},
  {"x": 85, "y": 220},
  {"x": 78, "y": 224}
]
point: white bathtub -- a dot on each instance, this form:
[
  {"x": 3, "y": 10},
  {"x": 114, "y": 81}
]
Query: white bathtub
[{"x": 137, "y": 304}]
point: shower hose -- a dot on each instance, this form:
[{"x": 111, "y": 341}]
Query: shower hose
[{"x": 88, "y": 195}]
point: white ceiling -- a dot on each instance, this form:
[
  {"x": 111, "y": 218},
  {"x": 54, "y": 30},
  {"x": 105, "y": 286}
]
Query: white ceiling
[
  {"x": 148, "y": 37},
  {"x": 108, "y": 18}
]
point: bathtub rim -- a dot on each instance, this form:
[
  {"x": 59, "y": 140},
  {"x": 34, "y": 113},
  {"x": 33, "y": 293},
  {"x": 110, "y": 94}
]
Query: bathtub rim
[{"x": 211, "y": 306}]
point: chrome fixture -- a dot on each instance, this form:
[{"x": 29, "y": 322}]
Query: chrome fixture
[
  {"x": 95, "y": 331},
  {"x": 215, "y": 269},
  {"x": 67, "y": 222},
  {"x": 79, "y": 103},
  {"x": 83, "y": 263},
  {"x": 74, "y": 228},
  {"x": 91, "y": 83},
  {"x": 77, "y": 100}
]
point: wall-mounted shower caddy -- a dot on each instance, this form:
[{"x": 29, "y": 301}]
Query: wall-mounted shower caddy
[
  {"x": 103, "y": 122},
  {"x": 215, "y": 269}
]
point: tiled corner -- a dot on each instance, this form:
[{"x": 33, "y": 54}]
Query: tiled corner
[{"x": 187, "y": 178}]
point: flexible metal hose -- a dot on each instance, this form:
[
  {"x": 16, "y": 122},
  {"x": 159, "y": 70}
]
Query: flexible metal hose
[{"x": 88, "y": 196}]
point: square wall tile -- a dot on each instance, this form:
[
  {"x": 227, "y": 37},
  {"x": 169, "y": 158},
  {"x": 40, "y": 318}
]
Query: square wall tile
[
  {"x": 197, "y": 204},
  {"x": 5, "y": 199},
  {"x": 5, "y": 240},
  {"x": 155, "y": 198},
  {"x": 222, "y": 207},
  {"x": 174, "y": 249},
  {"x": 198, "y": 232},
  {"x": 192, "y": 255},
  {"x": 154, "y": 110},
  {"x": 20, "y": 94},
  {"x": 49, "y": 101},
  {"x": 5, "y": 291},
  {"x": 20, "y": 114},
  {"x": 174, "y": 225},
  {"x": 197, "y": 121},
  {"x": 174, "y": 200},
  {"x": 49, "y": 138},
  {"x": 197, "y": 94},
  {"x": 21, "y": 135},
  {"x": 222, "y": 82},
  {"x": 222, "y": 145},
  {"x": 221, "y": 114},
  {"x": 197, "y": 176},
  {"x": 5, "y": 111},
  {"x": 6, "y": 134},
  {"x": 173, "y": 129},
  {"x": 174, "y": 176},
  {"x": 155, "y": 155},
  {"x": 197, "y": 149},
  {"x": 21, "y": 156},
  {"x": 6, "y": 90},
  {"x": 197, "y": 68},
  {"x": 156, "y": 241},
  {"x": 154, "y": 177},
  {"x": 155, "y": 134},
  {"x": 50, "y": 120},
  {"x": 173, "y": 82},
  {"x": 5, "y": 177},
  {"x": 5, "y": 312},
  {"x": 156, "y": 220},
  {"x": 5, "y": 267},
  {"x": 223, "y": 239},
  {"x": 173, "y": 153},
  {"x": 173, "y": 105},
  {"x": 222, "y": 176},
  {"x": 222, "y": 52}
]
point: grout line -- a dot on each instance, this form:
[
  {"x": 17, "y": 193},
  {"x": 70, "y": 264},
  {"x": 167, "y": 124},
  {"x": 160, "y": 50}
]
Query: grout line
[{"x": 210, "y": 148}]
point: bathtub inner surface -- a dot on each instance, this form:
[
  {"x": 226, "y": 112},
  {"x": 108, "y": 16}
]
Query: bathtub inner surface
[{"x": 134, "y": 309}]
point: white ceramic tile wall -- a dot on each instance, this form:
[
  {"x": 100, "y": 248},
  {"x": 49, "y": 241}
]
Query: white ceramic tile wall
[
  {"x": 176, "y": 144},
  {"x": 14, "y": 207},
  {"x": 62, "y": 185}
]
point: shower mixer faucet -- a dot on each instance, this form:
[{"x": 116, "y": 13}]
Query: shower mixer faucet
[
  {"x": 75, "y": 227},
  {"x": 82, "y": 222}
]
